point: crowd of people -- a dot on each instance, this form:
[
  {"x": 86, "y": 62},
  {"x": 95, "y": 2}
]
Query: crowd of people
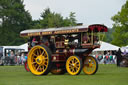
[
  {"x": 107, "y": 58},
  {"x": 15, "y": 59},
  {"x": 110, "y": 57}
]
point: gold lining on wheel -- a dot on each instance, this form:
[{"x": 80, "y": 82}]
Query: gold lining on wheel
[
  {"x": 89, "y": 65},
  {"x": 38, "y": 60},
  {"x": 73, "y": 65}
]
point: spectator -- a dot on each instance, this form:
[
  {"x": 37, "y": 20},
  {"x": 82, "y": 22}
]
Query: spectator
[
  {"x": 85, "y": 39},
  {"x": 34, "y": 41},
  {"x": 7, "y": 59},
  {"x": 1, "y": 54},
  {"x": 18, "y": 59},
  {"x": 100, "y": 57},
  {"x": 106, "y": 59},
  {"x": 111, "y": 58},
  {"x": 96, "y": 39},
  {"x": 114, "y": 59},
  {"x": 22, "y": 58},
  {"x": 118, "y": 54},
  {"x": 45, "y": 40},
  {"x": 96, "y": 56},
  {"x": 26, "y": 57},
  {"x": 12, "y": 57}
]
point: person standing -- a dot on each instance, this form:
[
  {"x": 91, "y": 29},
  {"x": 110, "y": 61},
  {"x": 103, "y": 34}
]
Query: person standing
[
  {"x": 22, "y": 58},
  {"x": 119, "y": 56},
  {"x": 111, "y": 58},
  {"x": 18, "y": 59},
  {"x": 107, "y": 58},
  {"x": 12, "y": 57}
]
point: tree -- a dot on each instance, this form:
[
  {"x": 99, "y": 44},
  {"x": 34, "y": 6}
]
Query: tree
[
  {"x": 14, "y": 18},
  {"x": 72, "y": 18},
  {"x": 108, "y": 35},
  {"x": 120, "y": 34},
  {"x": 51, "y": 19}
]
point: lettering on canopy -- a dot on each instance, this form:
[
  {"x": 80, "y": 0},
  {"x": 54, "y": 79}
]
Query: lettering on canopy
[
  {"x": 66, "y": 31},
  {"x": 34, "y": 34},
  {"x": 46, "y": 33},
  {"x": 53, "y": 32}
]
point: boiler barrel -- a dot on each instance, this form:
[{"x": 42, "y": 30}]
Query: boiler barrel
[{"x": 78, "y": 51}]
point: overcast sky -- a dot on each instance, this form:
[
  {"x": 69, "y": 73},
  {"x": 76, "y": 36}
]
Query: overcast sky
[{"x": 87, "y": 11}]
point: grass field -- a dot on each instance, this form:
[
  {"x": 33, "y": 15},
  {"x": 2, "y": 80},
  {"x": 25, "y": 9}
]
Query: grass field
[{"x": 106, "y": 75}]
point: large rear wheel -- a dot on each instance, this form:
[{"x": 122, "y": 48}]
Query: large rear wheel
[
  {"x": 74, "y": 65},
  {"x": 90, "y": 65},
  {"x": 39, "y": 60}
]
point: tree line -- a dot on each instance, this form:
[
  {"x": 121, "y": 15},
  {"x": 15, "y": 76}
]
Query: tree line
[{"x": 14, "y": 18}]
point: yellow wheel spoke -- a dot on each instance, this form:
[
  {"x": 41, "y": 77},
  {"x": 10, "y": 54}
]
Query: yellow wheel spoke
[
  {"x": 38, "y": 60},
  {"x": 36, "y": 65},
  {"x": 90, "y": 65},
  {"x": 42, "y": 53},
  {"x": 45, "y": 58},
  {"x": 42, "y": 67},
  {"x": 33, "y": 62},
  {"x": 34, "y": 54},
  {"x": 72, "y": 61},
  {"x": 72, "y": 69},
  {"x": 45, "y": 54},
  {"x": 76, "y": 68},
  {"x": 45, "y": 63},
  {"x": 73, "y": 65},
  {"x": 38, "y": 68},
  {"x": 39, "y": 51}
]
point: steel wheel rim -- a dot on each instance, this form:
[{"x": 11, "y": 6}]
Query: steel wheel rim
[
  {"x": 38, "y": 60},
  {"x": 89, "y": 65},
  {"x": 73, "y": 65}
]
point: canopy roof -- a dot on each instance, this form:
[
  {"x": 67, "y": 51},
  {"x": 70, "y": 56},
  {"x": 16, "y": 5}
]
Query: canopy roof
[
  {"x": 10, "y": 47},
  {"x": 106, "y": 47},
  {"x": 64, "y": 30},
  {"x": 124, "y": 48},
  {"x": 24, "y": 46}
]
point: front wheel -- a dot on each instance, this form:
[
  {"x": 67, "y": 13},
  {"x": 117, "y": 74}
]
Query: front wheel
[
  {"x": 74, "y": 65},
  {"x": 39, "y": 60},
  {"x": 90, "y": 66}
]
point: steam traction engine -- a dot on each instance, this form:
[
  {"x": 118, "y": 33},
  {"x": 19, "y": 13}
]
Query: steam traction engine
[{"x": 61, "y": 50}]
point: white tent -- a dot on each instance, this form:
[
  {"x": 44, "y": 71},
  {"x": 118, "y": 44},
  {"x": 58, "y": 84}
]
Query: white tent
[
  {"x": 106, "y": 47},
  {"x": 124, "y": 48},
  {"x": 24, "y": 46}
]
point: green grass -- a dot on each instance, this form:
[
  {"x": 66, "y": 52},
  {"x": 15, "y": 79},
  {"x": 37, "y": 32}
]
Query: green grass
[{"x": 106, "y": 75}]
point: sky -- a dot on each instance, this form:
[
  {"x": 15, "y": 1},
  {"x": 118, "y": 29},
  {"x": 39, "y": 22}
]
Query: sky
[{"x": 86, "y": 11}]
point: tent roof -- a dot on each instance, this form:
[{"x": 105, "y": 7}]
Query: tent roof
[
  {"x": 11, "y": 47},
  {"x": 106, "y": 47},
  {"x": 124, "y": 48},
  {"x": 24, "y": 46}
]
